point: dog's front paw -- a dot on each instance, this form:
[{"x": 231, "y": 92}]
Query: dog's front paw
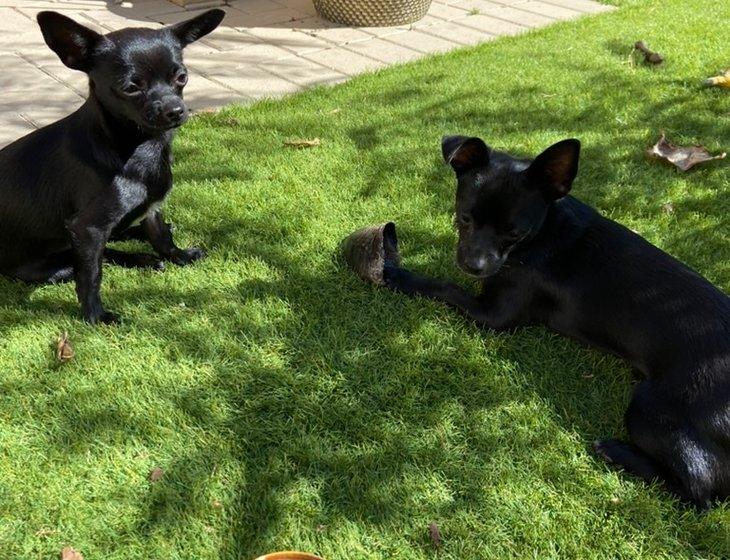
[
  {"x": 606, "y": 449},
  {"x": 182, "y": 257},
  {"x": 399, "y": 280}
]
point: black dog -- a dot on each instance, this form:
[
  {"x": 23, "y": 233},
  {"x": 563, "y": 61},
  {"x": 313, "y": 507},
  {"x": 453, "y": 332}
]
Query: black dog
[
  {"x": 68, "y": 188},
  {"x": 546, "y": 258}
]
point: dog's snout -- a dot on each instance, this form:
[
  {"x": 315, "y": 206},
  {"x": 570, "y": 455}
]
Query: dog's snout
[
  {"x": 175, "y": 113},
  {"x": 476, "y": 265}
]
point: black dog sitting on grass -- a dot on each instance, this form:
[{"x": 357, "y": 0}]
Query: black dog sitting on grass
[
  {"x": 68, "y": 188},
  {"x": 546, "y": 258}
]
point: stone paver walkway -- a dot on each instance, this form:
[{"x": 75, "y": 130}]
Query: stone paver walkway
[{"x": 263, "y": 48}]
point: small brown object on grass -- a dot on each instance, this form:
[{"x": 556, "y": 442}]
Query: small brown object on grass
[
  {"x": 683, "y": 157},
  {"x": 156, "y": 474},
  {"x": 368, "y": 250},
  {"x": 289, "y": 555},
  {"x": 302, "y": 143},
  {"x": 64, "y": 350},
  {"x": 650, "y": 56},
  {"x": 435, "y": 534},
  {"x": 69, "y": 553}
]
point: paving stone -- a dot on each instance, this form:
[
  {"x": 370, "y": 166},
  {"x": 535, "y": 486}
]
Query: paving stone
[
  {"x": 385, "y": 31},
  {"x": 332, "y": 32},
  {"x": 480, "y": 6},
  {"x": 304, "y": 73},
  {"x": 453, "y": 31},
  {"x": 585, "y": 6},
  {"x": 447, "y": 13},
  {"x": 255, "y": 6},
  {"x": 12, "y": 21},
  {"x": 549, "y": 10},
  {"x": 260, "y": 19},
  {"x": 290, "y": 39},
  {"x": 382, "y": 50},
  {"x": 422, "y": 42},
  {"x": 202, "y": 93},
  {"x": 305, "y": 6},
  {"x": 344, "y": 61},
  {"x": 44, "y": 104},
  {"x": 493, "y": 25},
  {"x": 243, "y": 77},
  {"x": 18, "y": 75},
  {"x": 12, "y": 125}
]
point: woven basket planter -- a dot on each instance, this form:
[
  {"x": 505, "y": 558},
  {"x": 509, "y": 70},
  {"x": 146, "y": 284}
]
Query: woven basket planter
[{"x": 372, "y": 13}]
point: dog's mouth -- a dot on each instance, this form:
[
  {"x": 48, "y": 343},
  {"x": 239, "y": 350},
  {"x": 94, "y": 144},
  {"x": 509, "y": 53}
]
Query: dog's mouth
[{"x": 488, "y": 270}]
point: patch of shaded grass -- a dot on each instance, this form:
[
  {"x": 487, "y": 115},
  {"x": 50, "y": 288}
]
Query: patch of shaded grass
[{"x": 290, "y": 405}]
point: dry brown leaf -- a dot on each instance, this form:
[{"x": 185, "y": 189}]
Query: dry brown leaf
[
  {"x": 435, "y": 534},
  {"x": 156, "y": 474},
  {"x": 668, "y": 208},
  {"x": 64, "y": 350},
  {"x": 684, "y": 157},
  {"x": 302, "y": 143},
  {"x": 217, "y": 504},
  {"x": 69, "y": 553},
  {"x": 650, "y": 56}
]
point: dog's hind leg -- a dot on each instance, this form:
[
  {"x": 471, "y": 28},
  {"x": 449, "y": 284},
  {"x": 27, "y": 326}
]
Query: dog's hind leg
[
  {"x": 664, "y": 448},
  {"x": 51, "y": 269},
  {"x": 133, "y": 260},
  {"x": 133, "y": 233}
]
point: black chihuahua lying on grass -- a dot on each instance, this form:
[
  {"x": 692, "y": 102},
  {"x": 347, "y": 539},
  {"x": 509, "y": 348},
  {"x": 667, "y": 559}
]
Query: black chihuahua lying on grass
[
  {"x": 546, "y": 258},
  {"x": 68, "y": 188}
]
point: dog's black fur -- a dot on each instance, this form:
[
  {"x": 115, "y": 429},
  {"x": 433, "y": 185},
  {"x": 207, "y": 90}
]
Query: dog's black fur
[
  {"x": 546, "y": 258},
  {"x": 68, "y": 188}
]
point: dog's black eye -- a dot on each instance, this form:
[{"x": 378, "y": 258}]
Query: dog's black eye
[
  {"x": 516, "y": 235},
  {"x": 181, "y": 79},
  {"x": 465, "y": 218},
  {"x": 132, "y": 89}
]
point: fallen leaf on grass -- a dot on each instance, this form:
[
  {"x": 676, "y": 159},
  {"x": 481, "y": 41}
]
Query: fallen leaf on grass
[
  {"x": 69, "y": 553},
  {"x": 684, "y": 157},
  {"x": 650, "y": 56},
  {"x": 64, "y": 350},
  {"x": 435, "y": 534},
  {"x": 302, "y": 143},
  {"x": 723, "y": 79},
  {"x": 156, "y": 474},
  {"x": 668, "y": 208}
]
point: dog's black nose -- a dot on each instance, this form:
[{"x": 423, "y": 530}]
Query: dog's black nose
[{"x": 175, "y": 114}]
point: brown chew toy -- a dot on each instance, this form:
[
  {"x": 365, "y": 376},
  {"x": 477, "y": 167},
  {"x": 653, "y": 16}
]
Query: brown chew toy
[
  {"x": 649, "y": 56},
  {"x": 368, "y": 250}
]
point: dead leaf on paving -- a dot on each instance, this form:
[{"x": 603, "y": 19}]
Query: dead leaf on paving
[
  {"x": 302, "y": 143},
  {"x": 64, "y": 350},
  {"x": 684, "y": 157}
]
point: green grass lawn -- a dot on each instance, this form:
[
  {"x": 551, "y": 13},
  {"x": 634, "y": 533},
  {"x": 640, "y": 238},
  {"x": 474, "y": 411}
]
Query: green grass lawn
[{"x": 291, "y": 405}]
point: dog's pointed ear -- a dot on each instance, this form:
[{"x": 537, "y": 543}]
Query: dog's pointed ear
[
  {"x": 71, "y": 41},
  {"x": 554, "y": 170},
  {"x": 463, "y": 152},
  {"x": 193, "y": 29}
]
